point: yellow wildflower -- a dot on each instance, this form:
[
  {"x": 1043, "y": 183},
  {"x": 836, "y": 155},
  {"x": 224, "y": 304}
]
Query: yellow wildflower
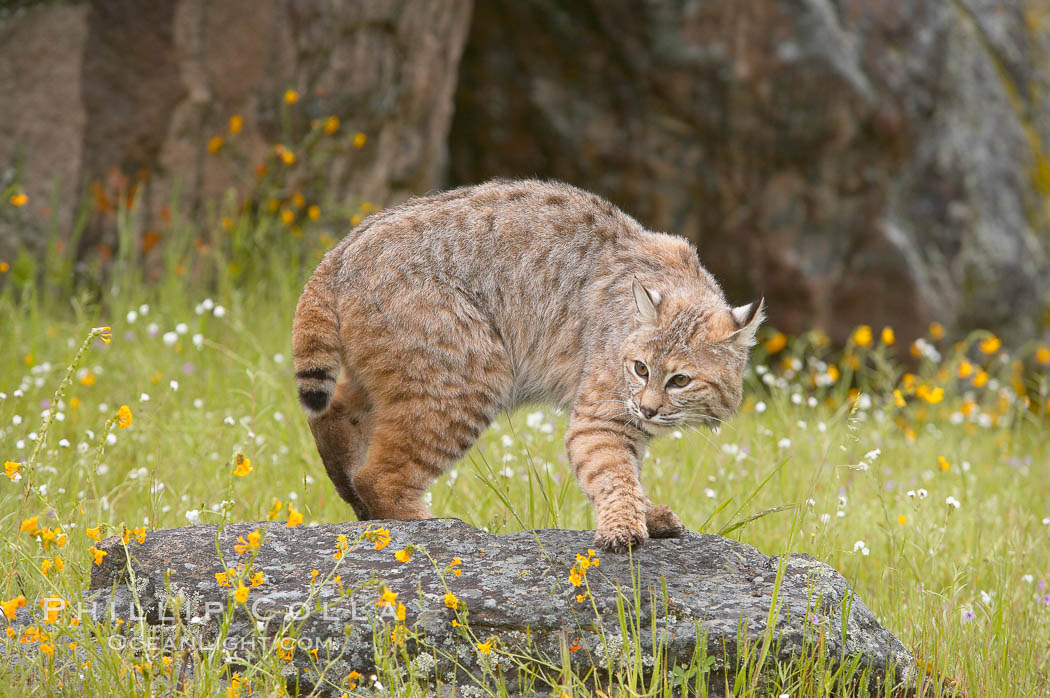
[
  {"x": 291, "y": 96},
  {"x": 1042, "y": 355},
  {"x": 965, "y": 369},
  {"x": 124, "y": 417},
  {"x": 355, "y": 219},
  {"x": 401, "y": 611},
  {"x": 215, "y": 144},
  {"x": 776, "y": 343},
  {"x": 298, "y": 200},
  {"x": 236, "y": 124},
  {"x": 241, "y": 595},
  {"x": 485, "y": 647},
  {"x": 936, "y": 330},
  {"x": 379, "y": 536},
  {"x": 888, "y": 338},
  {"x": 943, "y": 463},
  {"x": 52, "y": 607},
  {"x": 19, "y": 199},
  {"x": 314, "y": 212},
  {"x": 403, "y": 555},
  {"x": 451, "y": 601},
  {"x": 862, "y": 336},
  {"x": 258, "y": 579},
  {"x": 4, "y": 267},
  {"x": 275, "y": 510},
  {"x": 898, "y": 399},
  {"x": 981, "y": 378},
  {"x": 294, "y": 517},
  {"x": 87, "y": 379},
  {"x": 47, "y": 648},
  {"x": 454, "y": 565},
  {"x": 227, "y": 223},
  {"x": 11, "y": 469},
  {"x": 97, "y": 554},
  {"x": 252, "y": 543},
  {"x": 341, "y": 547},
  {"x": 222, "y": 578},
  {"x": 387, "y": 598},
  {"x": 359, "y": 140},
  {"x": 833, "y": 373},
  {"x": 242, "y": 465},
  {"x": 30, "y": 525},
  {"x": 11, "y": 606},
  {"x": 331, "y": 125},
  {"x": 287, "y": 216},
  {"x": 930, "y": 395},
  {"x": 990, "y": 344},
  {"x": 95, "y": 533}
]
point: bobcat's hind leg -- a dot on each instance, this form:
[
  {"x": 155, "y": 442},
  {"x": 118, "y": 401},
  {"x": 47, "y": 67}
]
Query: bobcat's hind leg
[
  {"x": 342, "y": 434},
  {"x": 414, "y": 442}
]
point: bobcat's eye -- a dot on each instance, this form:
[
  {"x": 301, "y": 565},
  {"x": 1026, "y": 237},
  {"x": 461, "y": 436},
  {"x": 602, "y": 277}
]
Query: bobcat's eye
[
  {"x": 641, "y": 369},
  {"x": 679, "y": 380}
]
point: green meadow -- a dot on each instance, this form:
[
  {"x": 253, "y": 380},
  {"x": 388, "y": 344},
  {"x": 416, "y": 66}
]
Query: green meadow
[{"x": 920, "y": 472}]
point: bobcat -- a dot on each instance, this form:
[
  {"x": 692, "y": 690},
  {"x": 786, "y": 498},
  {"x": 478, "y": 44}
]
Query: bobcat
[{"x": 431, "y": 317}]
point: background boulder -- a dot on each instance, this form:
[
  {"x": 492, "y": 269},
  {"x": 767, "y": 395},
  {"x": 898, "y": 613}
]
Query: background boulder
[{"x": 855, "y": 161}]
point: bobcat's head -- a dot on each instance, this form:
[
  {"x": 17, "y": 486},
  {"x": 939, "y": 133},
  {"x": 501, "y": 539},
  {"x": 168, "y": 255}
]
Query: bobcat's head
[{"x": 684, "y": 362}]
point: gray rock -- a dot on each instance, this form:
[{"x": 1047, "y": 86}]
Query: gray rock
[{"x": 515, "y": 588}]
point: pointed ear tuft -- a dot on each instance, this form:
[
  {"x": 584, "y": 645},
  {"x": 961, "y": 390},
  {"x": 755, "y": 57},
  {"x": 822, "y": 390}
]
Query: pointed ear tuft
[
  {"x": 748, "y": 318},
  {"x": 646, "y": 302}
]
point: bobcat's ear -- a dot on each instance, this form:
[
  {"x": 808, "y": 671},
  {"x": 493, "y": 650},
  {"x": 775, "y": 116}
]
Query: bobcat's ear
[
  {"x": 747, "y": 318},
  {"x": 646, "y": 302}
]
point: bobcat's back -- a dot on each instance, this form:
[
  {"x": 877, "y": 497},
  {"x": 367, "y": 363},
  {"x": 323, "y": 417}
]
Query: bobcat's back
[{"x": 539, "y": 263}]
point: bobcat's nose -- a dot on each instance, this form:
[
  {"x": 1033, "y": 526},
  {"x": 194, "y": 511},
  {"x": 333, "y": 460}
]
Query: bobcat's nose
[{"x": 647, "y": 412}]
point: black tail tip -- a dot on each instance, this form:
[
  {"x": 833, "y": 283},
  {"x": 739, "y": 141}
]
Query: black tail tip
[{"x": 314, "y": 401}]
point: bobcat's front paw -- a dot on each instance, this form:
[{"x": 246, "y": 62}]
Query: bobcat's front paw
[
  {"x": 619, "y": 536},
  {"x": 663, "y": 523}
]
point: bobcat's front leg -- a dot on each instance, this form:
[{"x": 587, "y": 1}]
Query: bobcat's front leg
[{"x": 606, "y": 455}]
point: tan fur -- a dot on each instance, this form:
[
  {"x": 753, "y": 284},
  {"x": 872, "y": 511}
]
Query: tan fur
[{"x": 432, "y": 317}]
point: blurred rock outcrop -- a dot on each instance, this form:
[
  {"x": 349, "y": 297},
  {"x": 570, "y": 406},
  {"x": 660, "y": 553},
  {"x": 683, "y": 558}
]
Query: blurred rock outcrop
[
  {"x": 114, "y": 93},
  {"x": 855, "y": 161}
]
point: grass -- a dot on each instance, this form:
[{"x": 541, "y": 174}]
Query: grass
[{"x": 930, "y": 489}]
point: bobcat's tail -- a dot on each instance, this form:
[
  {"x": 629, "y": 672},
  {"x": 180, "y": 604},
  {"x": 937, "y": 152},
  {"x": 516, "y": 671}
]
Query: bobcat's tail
[{"x": 316, "y": 347}]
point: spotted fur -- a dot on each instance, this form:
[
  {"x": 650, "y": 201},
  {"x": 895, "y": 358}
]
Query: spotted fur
[{"x": 433, "y": 316}]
